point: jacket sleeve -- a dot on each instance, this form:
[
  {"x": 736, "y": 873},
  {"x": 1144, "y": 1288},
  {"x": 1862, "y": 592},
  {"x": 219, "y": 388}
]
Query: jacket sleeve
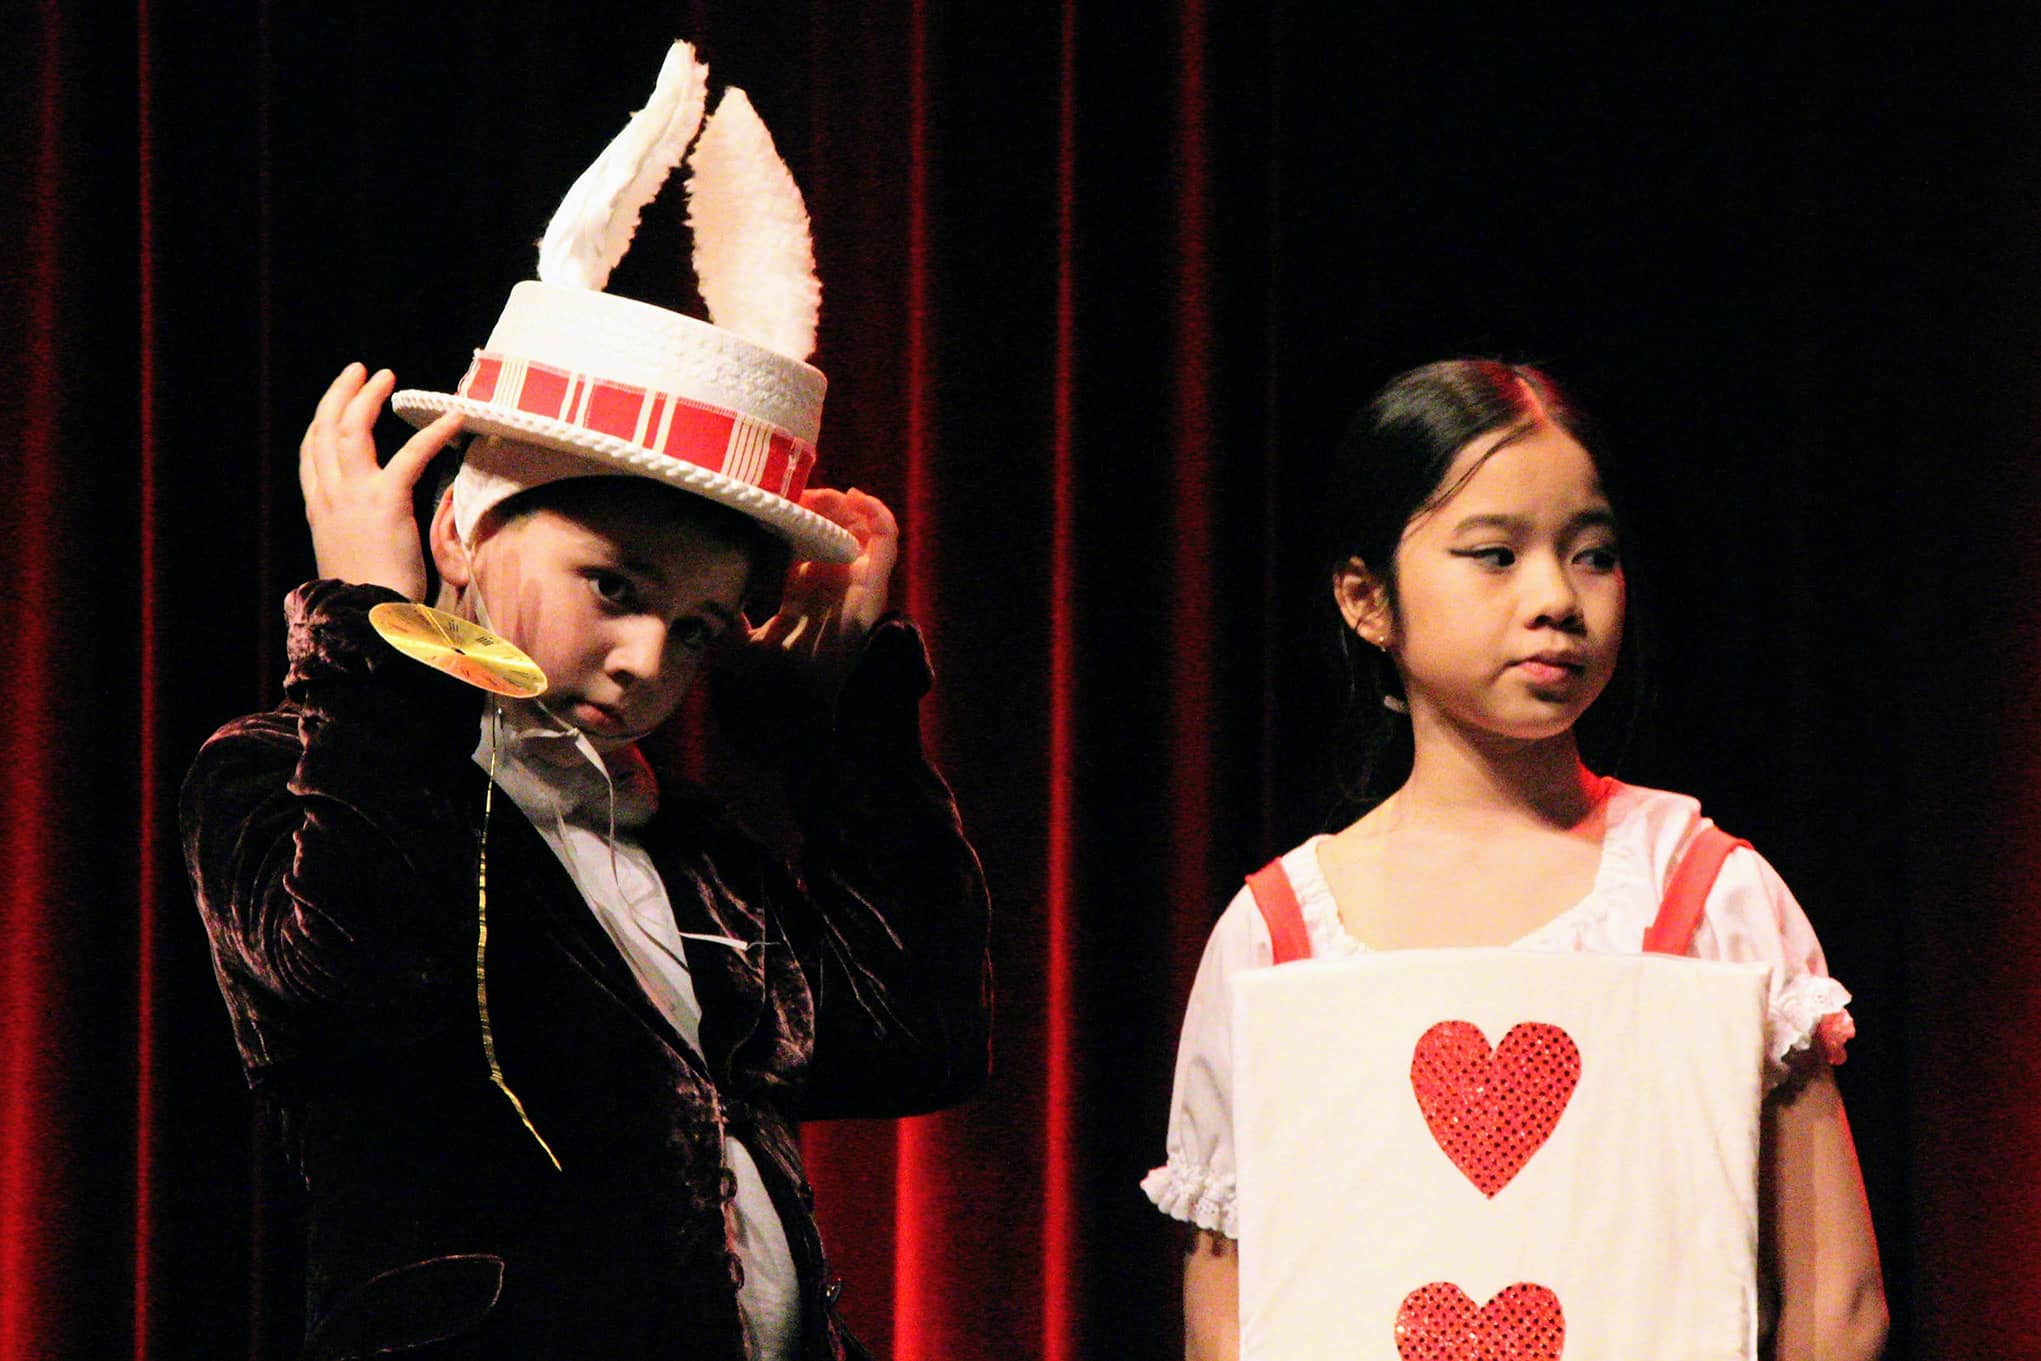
[
  {"x": 332, "y": 867},
  {"x": 891, "y": 919}
]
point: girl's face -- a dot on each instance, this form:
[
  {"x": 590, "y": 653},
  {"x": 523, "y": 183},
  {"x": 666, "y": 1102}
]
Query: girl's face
[{"x": 1510, "y": 593}]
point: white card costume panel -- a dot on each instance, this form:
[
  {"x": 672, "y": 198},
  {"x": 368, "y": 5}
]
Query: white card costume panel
[{"x": 1632, "y": 1222}]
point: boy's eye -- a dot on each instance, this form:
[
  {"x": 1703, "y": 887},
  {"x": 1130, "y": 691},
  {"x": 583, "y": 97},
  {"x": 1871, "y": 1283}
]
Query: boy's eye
[
  {"x": 695, "y": 635},
  {"x": 612, "y": 587},
  {"x": 1495, "y": 556}
]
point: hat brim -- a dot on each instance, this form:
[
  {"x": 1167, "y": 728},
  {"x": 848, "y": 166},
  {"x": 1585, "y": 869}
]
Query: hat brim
[{"x": 809, "y": 535}]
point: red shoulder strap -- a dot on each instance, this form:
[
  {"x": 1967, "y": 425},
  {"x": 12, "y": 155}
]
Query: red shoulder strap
[
  {"x": 1679, "y": 916},
  {"x": 1278, "y": 903}
]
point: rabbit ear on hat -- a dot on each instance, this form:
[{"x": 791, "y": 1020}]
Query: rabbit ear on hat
[
  {"x": 754, "y": 255},
  {"x": 594, "y": 224},
  {"x": 726, "y": 409}
]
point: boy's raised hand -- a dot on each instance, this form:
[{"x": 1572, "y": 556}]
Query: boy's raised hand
[
  {"x": 829, "y": 607},
  {"x": 360, "y": 513}
]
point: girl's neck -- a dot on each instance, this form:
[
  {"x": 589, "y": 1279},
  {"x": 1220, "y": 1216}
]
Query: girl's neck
[{"x": 1477, "y": 778}]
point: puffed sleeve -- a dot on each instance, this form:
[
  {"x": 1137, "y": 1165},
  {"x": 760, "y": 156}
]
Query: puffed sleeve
[
  {"x": 1196, "y": 1184},
  {"x": 1752, "y": 916}
]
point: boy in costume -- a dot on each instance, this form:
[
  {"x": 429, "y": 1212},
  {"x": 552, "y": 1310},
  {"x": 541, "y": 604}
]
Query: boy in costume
[{"x": 539, "y": 1029}]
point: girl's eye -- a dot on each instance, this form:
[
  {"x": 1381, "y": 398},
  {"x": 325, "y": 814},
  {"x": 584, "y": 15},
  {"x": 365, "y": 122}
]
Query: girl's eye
[
  {"x": 1496, "y": 557},
  {"x": 1601, "y": 558}
]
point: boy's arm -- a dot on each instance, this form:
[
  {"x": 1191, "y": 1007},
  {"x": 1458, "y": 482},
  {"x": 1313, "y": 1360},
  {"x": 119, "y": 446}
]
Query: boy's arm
[
  {"x": 894, "y": 923},
  {"x": 324, "y": 841},
  {"x": 314, "y": 837},
  {"x": 890, "y": 921}
]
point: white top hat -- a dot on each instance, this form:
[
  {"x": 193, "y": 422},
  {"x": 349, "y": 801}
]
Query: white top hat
[{"x": 576, "y": 382}]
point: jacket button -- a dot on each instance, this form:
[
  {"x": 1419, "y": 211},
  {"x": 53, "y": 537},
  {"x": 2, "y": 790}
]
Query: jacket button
[
  {"x": 736, "y": 1269},
  {"x": 807, "y": 1194},
  {"x": 726, "y": 1185},
  {"x": 832, "y": 1292}
]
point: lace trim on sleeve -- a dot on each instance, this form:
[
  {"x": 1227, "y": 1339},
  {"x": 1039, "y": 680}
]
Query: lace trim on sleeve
[
  {"x": 1193, "y": 1195},
  {"x": 1809, "y": 1011}
]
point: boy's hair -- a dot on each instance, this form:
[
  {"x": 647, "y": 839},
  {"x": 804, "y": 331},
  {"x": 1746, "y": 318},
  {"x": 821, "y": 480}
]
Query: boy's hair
[{"x": 767, "y": 553}]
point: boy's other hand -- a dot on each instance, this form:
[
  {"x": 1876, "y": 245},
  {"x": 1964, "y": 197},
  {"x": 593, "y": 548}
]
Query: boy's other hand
[
  {"x": 829, "y": 607},
  {"x": 359, "y": 513}
]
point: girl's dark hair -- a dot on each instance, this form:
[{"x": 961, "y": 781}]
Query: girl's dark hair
[{"x": 1389, "y": 469}]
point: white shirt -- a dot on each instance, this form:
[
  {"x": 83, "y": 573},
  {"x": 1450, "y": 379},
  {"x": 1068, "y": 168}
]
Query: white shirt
[{"x": 569, "y": 802}]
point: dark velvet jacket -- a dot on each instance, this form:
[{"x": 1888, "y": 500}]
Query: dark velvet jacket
[{"x": 332, "y": 847}]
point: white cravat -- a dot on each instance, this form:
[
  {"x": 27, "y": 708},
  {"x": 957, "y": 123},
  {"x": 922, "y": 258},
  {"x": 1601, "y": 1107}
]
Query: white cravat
[{"x": 573, "y": 806}]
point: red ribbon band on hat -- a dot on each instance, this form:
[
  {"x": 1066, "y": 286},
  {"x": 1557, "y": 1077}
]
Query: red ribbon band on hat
[{"x": 740, "y": 447}]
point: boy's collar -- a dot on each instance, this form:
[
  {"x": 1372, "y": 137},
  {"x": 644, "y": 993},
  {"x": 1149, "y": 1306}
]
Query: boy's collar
[{"x": 548, "y": 776}]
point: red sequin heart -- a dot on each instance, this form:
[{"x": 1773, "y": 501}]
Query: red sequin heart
[
  {"x": 1439, "y": 1323},
  {"x": 1491, "y": 1111}
]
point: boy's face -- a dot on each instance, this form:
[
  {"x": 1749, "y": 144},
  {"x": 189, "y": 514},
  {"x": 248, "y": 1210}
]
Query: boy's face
[{"x": 616, "y": 603}]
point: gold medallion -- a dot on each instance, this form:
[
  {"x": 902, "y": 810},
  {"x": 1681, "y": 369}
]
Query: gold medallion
[{"x": 464, "y": 650}]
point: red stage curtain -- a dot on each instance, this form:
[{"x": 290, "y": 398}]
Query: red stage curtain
[{"x": 1102, "y": 282}]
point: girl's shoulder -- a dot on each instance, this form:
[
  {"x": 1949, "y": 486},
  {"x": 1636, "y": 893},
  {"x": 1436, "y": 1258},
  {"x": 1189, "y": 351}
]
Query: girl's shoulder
[
  {"x": 1242, "y": 939},
  {"x": 1751, "y": 916},
  {"x": 1645, "y": 833},
  {"x": 1649, "y": 830},
  {"x": 1658, "y": 822}
]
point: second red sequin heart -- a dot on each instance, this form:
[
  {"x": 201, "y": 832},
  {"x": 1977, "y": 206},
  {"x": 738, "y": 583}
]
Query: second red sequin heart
[
  {"x": 1490, "y": 1110},
  {"x": 1439, "y": 1323}
]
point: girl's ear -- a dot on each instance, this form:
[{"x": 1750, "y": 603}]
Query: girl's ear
[
  {"x": 449, "y": 555},
  {"x": 1363, "y": 602}
]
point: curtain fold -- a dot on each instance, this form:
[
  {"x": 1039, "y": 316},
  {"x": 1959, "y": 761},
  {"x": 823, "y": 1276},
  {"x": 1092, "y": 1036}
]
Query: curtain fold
[{"x": 32, "y": 1198}]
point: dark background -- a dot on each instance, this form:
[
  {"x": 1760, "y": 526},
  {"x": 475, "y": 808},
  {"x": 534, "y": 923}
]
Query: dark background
[{"x": 1102, "y": 282}]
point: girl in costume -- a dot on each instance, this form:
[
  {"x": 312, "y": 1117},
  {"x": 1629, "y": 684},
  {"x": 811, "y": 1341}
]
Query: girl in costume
[{"x": 1480, "y": 581}]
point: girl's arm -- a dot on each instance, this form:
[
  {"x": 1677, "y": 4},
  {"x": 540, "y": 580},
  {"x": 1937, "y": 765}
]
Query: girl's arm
[
  {"x": 1211, "y": 1297},
  {"x": 1819, "y": 1236}
]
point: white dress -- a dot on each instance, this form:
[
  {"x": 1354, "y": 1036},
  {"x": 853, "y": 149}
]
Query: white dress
[{"x": 1751, "y": 916}]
